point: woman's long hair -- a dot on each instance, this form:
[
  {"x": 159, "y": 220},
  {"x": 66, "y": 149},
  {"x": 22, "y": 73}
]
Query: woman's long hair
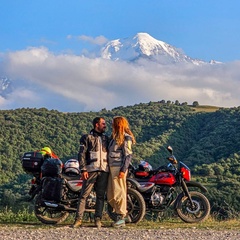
[{"x": 120, "y": 126}]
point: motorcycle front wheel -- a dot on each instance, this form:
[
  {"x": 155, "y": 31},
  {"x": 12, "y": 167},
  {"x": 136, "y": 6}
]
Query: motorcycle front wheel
[
  {"x": 197, "y": 212},
  {"x": 135, "y": 206},
  {"x": 48, "y": 215}
]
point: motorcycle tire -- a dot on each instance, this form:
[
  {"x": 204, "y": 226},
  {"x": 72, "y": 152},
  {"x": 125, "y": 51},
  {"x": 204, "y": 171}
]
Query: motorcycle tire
[
  {"x": 135, "y": 206},
  {"x": 198, "y": 213},
  {"x": 48, "y": 215}
]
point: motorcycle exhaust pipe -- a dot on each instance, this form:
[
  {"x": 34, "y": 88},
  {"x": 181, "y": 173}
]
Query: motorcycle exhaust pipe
[{"x": 60, "y": 207}]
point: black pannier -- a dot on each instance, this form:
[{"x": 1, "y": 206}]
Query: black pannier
[
  {"x": 52, "y": 189},
  {"x": 32, "y": 162},
  {"x": 51, "y": 167}
]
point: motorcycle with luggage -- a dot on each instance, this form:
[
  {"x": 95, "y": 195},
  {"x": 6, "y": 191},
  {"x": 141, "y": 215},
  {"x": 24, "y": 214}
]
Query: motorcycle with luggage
[
  {"x": 55, "y": 189},
  {"x": 170, "y": 186}
]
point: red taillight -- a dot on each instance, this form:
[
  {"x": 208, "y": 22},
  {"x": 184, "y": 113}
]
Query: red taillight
[
  {"x": 33, "y": 181},
  {"x": 79, "y": 183},
  {"x": 186, "y": 173}
]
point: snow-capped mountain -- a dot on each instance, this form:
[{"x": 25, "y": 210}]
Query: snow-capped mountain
[
  {"x": 142, "y": 45},
  {"x": 140, "y": 49},
  {"x": 5, "y": 86}
]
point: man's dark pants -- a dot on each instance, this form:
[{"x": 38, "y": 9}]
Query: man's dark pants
[{"x": 100, "y": 180}]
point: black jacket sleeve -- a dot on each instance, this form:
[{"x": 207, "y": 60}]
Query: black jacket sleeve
[{"x": 82, "y": 154}]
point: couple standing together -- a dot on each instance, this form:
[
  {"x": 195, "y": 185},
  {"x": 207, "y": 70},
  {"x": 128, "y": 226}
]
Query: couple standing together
[{"x": 104, "y": 163}]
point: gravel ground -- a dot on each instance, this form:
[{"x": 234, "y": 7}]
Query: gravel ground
[{"x": 32, "y": 232}]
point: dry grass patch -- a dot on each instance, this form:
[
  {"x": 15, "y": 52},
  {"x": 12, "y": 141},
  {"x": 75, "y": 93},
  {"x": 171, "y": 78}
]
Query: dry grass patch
[{"x": 205, "y": 108}]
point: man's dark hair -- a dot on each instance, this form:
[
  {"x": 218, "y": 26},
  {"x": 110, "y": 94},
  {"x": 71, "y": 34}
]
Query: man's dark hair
[{"x": 96, "y": 120}]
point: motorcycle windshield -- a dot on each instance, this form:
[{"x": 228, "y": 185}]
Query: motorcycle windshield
[{"x": 184, "y": 165}]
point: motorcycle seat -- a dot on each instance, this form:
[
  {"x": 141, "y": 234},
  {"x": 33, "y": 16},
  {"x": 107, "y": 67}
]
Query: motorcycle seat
[{"x": 146, "y": 179}]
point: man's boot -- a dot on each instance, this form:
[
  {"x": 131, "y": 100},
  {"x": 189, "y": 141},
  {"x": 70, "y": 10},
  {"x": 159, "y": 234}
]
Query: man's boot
[
  {"x": 98, "y": 223},
  {"x": 77, "y": 223}
]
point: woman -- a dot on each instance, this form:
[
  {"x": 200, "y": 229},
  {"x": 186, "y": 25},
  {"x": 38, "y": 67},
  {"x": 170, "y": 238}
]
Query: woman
[{"x": 119, "y": 157}]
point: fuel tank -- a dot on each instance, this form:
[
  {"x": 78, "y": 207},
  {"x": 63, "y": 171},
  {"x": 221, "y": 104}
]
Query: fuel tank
[{"x": 165, "y": 178}]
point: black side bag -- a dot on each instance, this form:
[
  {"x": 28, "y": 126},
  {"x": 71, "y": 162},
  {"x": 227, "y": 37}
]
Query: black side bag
[
  {"x": 52, "y": 189},
  {"x": 51, "y": 167}
]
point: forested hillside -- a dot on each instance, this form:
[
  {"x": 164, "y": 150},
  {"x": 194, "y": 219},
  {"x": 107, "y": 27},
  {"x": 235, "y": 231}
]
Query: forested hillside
[{"x": 207, "y": 141}]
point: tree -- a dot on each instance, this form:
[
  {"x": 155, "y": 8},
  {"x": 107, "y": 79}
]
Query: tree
[
  {"x": 177, "y": 103},
  {"x": 195, "y": 104}
]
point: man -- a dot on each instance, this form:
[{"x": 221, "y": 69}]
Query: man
[{"x": 92, "y": 158}]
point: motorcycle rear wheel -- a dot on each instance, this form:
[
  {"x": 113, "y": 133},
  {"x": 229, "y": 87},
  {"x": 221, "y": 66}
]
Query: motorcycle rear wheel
[
  {"x": 48, "y": 215},
  {"x": 135, "y": 206},
  {"x": 193, "y": 214}
]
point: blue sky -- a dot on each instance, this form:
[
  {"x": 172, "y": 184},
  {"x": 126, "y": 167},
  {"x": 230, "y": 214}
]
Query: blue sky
[
  {"x": 42, "y": 42},
  {"x": 205, "y": 29}
]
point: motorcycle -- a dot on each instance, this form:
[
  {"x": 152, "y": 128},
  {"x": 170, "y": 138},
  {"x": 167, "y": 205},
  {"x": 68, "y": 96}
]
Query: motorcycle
[
  {"x": 169, "y": 186},
  {"x": 57, "y": 196}
]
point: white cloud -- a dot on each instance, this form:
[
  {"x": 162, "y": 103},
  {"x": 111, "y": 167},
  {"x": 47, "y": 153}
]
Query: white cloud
[
  {"x": 99, "y": 40},
  {"x": 75, "y": 83}
]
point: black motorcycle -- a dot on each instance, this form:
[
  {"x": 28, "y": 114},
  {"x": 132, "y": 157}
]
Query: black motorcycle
[
  {"x": 56, "y": 193},
  {"x": 169, "y": 186}
]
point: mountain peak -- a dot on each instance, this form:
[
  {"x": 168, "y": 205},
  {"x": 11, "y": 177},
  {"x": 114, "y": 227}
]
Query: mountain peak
[
  {"x": 144, "y": 37},
  {"x": 143, "y": 45},
  {"x": 151, "y": 46}
]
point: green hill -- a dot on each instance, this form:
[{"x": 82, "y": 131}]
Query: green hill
[{"x": 206, "y": 138}]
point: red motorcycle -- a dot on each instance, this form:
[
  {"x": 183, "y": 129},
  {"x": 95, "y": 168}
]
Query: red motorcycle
[{"x": 170, "y": 186}]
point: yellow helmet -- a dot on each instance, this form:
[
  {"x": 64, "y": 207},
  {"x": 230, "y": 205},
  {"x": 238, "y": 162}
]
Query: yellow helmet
[{"x": 46, "y": 150}]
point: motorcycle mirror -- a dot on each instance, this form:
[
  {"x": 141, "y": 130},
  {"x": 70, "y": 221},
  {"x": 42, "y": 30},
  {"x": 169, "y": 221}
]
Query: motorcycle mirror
[{"x": 169, "y": 148}]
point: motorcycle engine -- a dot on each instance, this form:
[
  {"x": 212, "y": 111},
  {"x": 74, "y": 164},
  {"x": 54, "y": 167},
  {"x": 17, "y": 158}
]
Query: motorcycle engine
[
  {"x": 91, "y": 200},
  {"x": 157, "y": 199}
]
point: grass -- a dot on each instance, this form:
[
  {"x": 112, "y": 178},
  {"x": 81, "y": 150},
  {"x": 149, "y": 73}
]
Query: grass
[
  {"x": 24, "y": 218},
  {"x": 147, "y": 225},
  {"x": 205, "y": 108},
  {"x": 9, "y": 216}
]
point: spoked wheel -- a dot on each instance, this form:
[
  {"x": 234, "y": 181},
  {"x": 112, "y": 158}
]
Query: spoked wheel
[
  {"x": 48, "y": 215},
  {"x": 135, "y": 206},
  {"x": 197, "y": 212}
]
